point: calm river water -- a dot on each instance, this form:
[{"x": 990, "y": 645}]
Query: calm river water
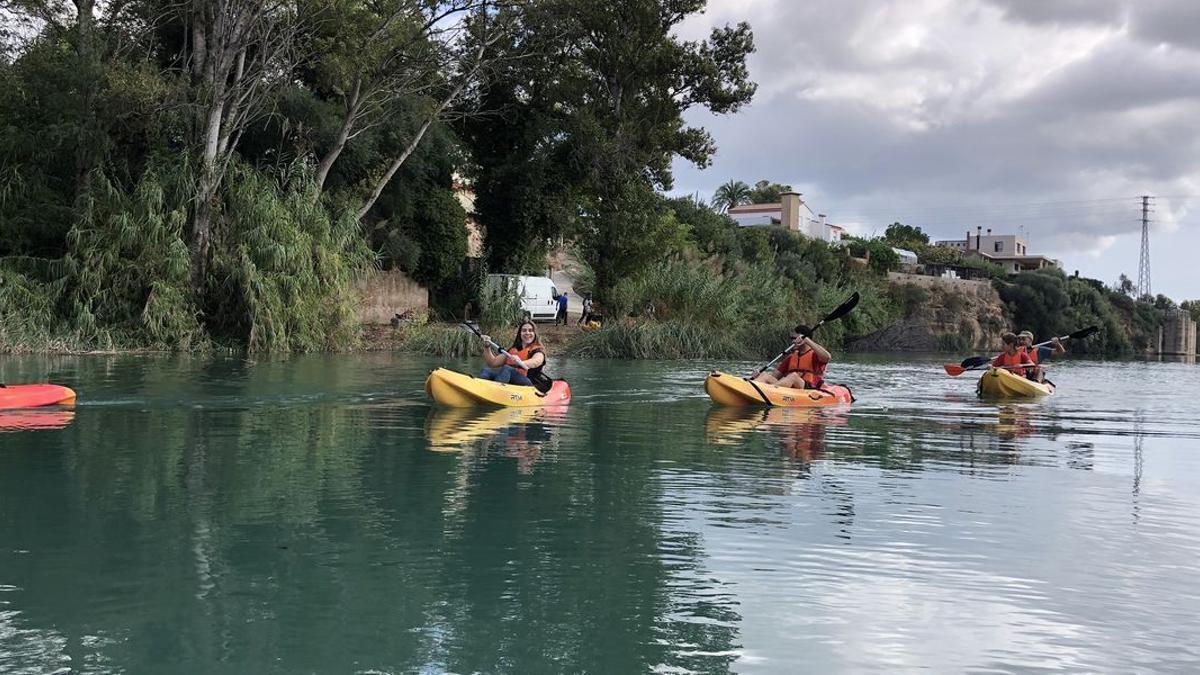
[{"x": 316, "y": 514}]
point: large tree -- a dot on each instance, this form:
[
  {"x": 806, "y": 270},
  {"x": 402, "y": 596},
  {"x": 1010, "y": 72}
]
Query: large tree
[{"x": 598, "y": 111}]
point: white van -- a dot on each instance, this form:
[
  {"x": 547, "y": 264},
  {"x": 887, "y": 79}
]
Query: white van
[{"x": 539, "y": 297}]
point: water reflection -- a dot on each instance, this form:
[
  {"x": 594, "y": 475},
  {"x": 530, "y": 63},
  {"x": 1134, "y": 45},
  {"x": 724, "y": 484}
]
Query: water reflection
[
  {"x": 516, "y": 433},
  {"x": 798, "y": 433},
  {"x": 31, "y": 420},
  {"x": 282, "y": 517}
]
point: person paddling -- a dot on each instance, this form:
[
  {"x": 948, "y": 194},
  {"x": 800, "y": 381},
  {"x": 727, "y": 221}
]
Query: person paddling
[
  {"x": 522, "y": 364},
  {"x": 1025, "y": 338},
  {"x": 1013, "y": 356},
  {"x": 804, "y": 368}
]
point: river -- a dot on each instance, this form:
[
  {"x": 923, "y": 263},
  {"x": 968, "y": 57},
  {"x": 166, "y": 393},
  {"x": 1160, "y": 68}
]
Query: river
[{"x": 316, "y": 514}]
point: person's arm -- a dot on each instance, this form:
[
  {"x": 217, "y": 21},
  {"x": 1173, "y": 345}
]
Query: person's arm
[
  {"x": 534, "y": 361},
  {"x": 490, "y": 357},
  {"x": 998, "y": 361},
  {"x": 1058, "y": 347},
  {"x": 819, "y": 352}
]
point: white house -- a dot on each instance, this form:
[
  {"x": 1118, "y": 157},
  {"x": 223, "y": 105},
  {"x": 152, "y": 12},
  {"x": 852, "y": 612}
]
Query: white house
[
  {"x": 1009, "y": 251},
  {"x": 792, "y": 213}
]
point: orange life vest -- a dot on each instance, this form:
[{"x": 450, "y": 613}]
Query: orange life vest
[
  {"x": 1032, "y": 352},
  {"x": 812, "y": 370},
  {"x": 526, "y": 353},
  {"x": 1018, "y": 359}
]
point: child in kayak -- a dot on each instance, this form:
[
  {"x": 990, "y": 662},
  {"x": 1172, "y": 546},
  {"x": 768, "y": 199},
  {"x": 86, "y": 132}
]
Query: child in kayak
[
  {"x": 1025, "y": 338},
  {"x": 525, "y": 359},
  {"x": 804, "y": 368},
  {"x": 1013, "y": 356}
]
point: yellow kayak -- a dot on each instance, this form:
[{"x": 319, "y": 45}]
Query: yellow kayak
[
  {"x": 999, "y": 382},
  {"x": 726, "y": 389},
  {"x": 461, "y": 391}
]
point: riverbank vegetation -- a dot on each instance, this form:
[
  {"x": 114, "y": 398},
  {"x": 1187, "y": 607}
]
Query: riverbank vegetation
[
  {"x": 190, "y": 176},
  {"x": 185, "y": 175}
]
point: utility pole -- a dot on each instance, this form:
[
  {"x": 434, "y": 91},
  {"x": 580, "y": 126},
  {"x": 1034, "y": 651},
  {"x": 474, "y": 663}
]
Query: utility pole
[{"x": 1144, "y": 261}]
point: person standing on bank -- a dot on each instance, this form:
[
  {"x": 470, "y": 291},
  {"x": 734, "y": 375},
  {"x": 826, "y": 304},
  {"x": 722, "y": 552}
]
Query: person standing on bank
[
  {"x": 562, "y": 310},
  {"x": 587, "y": 310}
]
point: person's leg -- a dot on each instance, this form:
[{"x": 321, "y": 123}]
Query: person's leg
[
  {"x": 518, "y": 378},
  {"x": 767, "y": 378},
  {"x": 487, "y": 374},
  {"x": 505, "y": 374},
  {"x": 793, "y": 380}
]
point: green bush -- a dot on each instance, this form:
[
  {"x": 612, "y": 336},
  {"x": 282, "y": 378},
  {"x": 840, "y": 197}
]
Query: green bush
[
  {"x": 284, "y": 268},
  {"x": 438, "y": 339},
  {"x": 908, "y": 297},
  {"x": 670, "y": 339}
]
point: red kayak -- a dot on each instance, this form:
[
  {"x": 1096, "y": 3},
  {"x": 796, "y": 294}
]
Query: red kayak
[{"x": 34, "y": 395}]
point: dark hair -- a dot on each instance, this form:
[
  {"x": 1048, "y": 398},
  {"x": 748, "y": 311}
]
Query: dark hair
[
  {"x": 537, "y": 339},
  {"x": 801, "y": 329},
  {"x": 1008, "y": 339}
]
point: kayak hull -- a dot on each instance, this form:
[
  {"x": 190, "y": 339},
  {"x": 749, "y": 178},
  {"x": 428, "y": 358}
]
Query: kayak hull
[
  {"x": 34, "y": 396},
  {"x": 731, "y": 390},
  {"x": 1002, "y": 383},
  {"x": 457, "y": 390}
]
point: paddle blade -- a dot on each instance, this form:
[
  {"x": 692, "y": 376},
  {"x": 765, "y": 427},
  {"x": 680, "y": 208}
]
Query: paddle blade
[
  {"x": 1084, "y": 332},
  {"x": 953, "y": 369},
  {"x": 973, "y": 362},
  {"x": 843, "y": 309}
]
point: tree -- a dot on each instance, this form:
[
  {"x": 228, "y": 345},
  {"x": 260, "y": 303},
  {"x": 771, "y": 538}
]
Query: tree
[
  {"x": 634, "y": 83},
  {"x": 905, "y": 236},
  {"x": 766, "y": 192},
  {"x": 731, "y": 193},
  {"x": 241, "y": 53},
  {"x": 598, "y": 111},
  {"x": 1192, "y": 307},
  {"x": 1126, "y": 286}
]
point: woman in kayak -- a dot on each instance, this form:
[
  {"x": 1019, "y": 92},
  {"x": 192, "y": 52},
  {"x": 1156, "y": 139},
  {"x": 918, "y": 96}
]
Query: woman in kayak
[
  {"x": 1025, "y": 338},
  {"x": 525, "y": 359},
  {"x": 1013, "y": 356},
  {"x": 804, "y": 368}
]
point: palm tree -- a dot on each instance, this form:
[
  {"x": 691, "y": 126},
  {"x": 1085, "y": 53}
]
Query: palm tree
[{"x": 731, "y": 194}]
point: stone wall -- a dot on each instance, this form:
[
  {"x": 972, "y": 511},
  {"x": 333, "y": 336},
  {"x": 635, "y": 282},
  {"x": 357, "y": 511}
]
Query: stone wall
[
  {"x": 385, "y": 294},
  {"x": 1177, "y": 335},
  {"x": 975, "y": 286}
]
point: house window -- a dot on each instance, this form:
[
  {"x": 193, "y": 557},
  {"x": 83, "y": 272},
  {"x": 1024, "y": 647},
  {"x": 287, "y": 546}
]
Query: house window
[{"x": 999, "y": 246}]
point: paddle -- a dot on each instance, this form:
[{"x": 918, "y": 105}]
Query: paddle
[
  {"x": 542, "y": 382},
  {"x": 838, "y": 312},
  {"x": 974, "y": 362}
]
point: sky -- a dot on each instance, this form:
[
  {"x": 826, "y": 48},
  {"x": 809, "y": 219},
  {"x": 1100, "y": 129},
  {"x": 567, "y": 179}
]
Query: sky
[{"x": 1035, "y": 117}]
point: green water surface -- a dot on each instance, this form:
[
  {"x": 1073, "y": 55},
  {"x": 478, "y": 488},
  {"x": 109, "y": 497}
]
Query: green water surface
[{"x": 316, "y": 514}]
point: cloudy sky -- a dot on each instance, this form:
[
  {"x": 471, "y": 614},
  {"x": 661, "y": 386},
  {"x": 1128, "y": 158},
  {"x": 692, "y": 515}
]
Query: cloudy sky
[{"x": 1042, "y": 117}]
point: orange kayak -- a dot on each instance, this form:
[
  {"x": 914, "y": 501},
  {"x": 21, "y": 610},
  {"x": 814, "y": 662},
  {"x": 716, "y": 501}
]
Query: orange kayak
[{"x": 34, "y": 395}]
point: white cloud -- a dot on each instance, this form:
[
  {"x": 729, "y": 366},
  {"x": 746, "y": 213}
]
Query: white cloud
[{"x": 951, "y": 114}]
